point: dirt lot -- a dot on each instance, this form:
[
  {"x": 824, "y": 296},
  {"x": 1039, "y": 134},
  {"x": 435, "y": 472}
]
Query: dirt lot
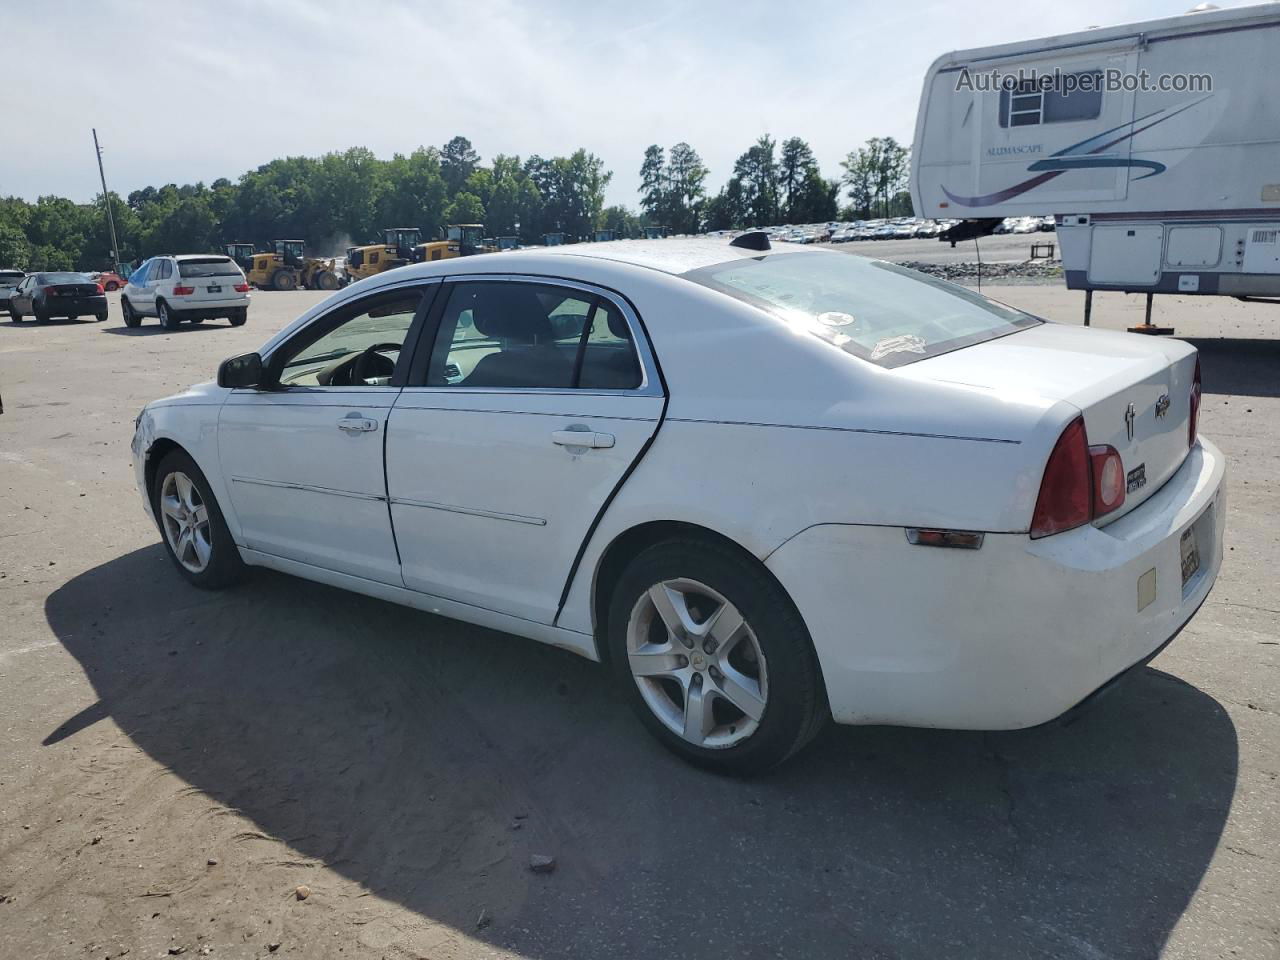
[{"x": 174, "y": 764}]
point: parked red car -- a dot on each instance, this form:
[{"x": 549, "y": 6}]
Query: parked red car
[{"x": 109, "y": 279}]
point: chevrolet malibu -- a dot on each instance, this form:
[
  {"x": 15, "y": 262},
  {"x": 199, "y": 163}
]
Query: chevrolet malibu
[{"x": 766, "y": 489}]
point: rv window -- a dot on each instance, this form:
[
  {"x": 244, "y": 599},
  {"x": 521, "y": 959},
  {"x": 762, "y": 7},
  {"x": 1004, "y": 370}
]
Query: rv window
[{"x": 1029, "y": 105}]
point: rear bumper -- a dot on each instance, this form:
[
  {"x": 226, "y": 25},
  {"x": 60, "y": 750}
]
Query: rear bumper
[
  {"x": 74, "y": 306},
  {"x": 209, "y": 309},
  {"x": 1013, "y": 634}
]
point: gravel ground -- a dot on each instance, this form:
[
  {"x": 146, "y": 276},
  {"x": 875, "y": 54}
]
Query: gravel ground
[{"x": 174, "y": 765}]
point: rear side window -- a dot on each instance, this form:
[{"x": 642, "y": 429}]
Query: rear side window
[
  {"x": 877, "y": 311},
  {"x": 209, "y": 267},
  {"x": 510, "y": 335}
]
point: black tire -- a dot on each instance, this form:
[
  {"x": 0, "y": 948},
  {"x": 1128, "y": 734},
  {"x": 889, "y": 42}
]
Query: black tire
[
  {"x": 15, "y": 316},
  {"x": 169, "y": 319},
  {"x": 326, "y": 280},
  {"x": 239, "y": 317},
  {"x": 131, "y": 317},
  {"x": 40, "y": 315},
  {"x": 796, "y": 707},
  {"x": 102, "y": 317},
  {"x": 225, "y": 566},
  {"x": 111, "y": 286},
  {"x": 284, "y": 280}
]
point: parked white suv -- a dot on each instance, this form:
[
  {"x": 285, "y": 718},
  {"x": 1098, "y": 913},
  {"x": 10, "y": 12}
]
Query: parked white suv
[
  {"x": 9, "y": 279},
  {"x": 186, "y": 287}
]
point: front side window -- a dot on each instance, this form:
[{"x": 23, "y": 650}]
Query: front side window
[
  {"x": 510, "y": 335},
  {"x": 877, "y": 311},
  {"x": 358, "y": 345}
]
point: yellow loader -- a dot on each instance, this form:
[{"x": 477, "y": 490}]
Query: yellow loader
[{"x": 287, "y": 267}]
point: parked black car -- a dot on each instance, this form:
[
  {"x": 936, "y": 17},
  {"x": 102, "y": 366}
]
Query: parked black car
[{"x": 48, "y": 295}]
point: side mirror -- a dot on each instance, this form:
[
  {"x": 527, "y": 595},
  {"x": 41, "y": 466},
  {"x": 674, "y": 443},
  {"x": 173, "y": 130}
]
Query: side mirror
[{"x": 243, "y": 371}]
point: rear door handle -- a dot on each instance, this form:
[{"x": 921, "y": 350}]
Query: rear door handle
[
  {"x": 354, "y": 424},
  {"x": 582, "y": 438}
]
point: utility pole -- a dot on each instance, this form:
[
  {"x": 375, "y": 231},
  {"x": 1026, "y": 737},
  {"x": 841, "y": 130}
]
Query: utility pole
[{"x": 106, "y": 198}]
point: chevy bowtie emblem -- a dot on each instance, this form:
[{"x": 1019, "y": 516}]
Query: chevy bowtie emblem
[
  {"x": 1129, "y": 416},
  {"x": 1162, "y": 406}
]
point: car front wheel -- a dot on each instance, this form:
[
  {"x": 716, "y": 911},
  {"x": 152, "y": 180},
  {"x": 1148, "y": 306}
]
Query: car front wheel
[
  {"x": 195, "y": 535},
  {"x": 714, "y": 657},
  {"x": 131, "y": 317}
]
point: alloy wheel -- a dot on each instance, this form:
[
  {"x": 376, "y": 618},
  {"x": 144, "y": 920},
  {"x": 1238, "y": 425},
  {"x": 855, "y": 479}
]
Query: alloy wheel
[
  {"x": 185, "y": 519},
  {"x": 697, "y": 663}
]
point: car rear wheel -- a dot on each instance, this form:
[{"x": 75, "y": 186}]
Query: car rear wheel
[
  {"x": 168, "y": 319},
  {"x": 239, "y": 317},
  {"x": 111, "y": 286},
  {"x": 195, "y": 534},
  {"x": 40, "y": 315},
  {"x": 102, "y": 316},
  {"x": 131, "y": 318},
  {"x": 714, "y": 657}
]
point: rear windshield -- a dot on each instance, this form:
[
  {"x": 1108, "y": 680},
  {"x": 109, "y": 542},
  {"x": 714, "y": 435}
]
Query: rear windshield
[
  {"x": 11, "y": 275},
  {"x": 208, "y": 267},
  {"x": 877, "y": 311},
  {"x": 64, "y": 278}
]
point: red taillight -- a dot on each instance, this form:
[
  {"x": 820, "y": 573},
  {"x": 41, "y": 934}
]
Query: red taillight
[
  {"x": 1193, "y": 423},
  {"x": 1065, "y": 499},
  {"x": 49, "y": 291},
  {"x": 242, "y": 288},
  {"x": 1108, "y": 479},
  {"x": 100, "y": 289},
  {"x": 183, "y": 291}
]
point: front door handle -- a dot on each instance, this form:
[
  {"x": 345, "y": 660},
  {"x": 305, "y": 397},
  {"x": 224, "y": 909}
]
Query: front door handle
[
  {"x": 582, "y": 438},
  {"x": 356, "y": 424}
]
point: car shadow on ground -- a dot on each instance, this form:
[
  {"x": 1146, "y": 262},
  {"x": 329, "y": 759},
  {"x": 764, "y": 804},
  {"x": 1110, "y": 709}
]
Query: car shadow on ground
[
  {"x": 1248, "y": 368},
  {"x": 29, "y": 322},
  {"x": 400, "y": 749},
  {"x": 147, "y": 329}
]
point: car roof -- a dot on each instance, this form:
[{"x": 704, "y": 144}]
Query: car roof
[
  {"x": 673, "y": 255},
  {"x": 200, "y": 256}
]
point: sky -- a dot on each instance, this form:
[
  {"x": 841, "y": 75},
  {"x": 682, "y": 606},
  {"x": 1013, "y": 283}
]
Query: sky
[{"x": 192, "y": 91}]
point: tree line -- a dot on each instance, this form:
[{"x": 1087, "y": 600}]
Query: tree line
[{"x": 348, "y": 197}]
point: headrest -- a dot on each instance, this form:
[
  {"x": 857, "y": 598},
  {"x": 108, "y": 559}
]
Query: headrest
[
  {"x": 509, "y": 311},
  {"x": 618, "y": 324}
]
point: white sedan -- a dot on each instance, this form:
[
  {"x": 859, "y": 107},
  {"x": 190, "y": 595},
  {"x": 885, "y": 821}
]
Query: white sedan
[{"x": 767, "y": 489}]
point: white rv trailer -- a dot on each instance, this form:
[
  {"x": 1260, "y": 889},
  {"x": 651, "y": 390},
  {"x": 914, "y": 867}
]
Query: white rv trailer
[{"x": 1153, "y": 191}]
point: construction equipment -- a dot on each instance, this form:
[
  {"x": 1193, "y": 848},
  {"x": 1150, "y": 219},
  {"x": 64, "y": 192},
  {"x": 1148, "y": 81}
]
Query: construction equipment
[
  {"x": 241, "y": 253},
  {"x": 400, "y": 246},
  {"x": 461, "y": 240},
  {"x": 287, "y": 267}
]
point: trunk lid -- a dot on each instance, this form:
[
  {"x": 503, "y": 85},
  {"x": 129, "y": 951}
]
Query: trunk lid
[
  {"x": 214, "y": 278},
  {"x": 1134, "y": 391}
]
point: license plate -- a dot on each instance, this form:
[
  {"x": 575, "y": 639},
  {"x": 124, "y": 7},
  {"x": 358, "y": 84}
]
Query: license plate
[
  {"x": 1190, "y": 554},
  {"x": 214, "y": 289}
]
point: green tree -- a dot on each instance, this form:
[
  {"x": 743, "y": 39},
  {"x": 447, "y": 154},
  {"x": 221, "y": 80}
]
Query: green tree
[
  {"x": 686, "y": 176},
  {"x": 795, "y": 164},
  {"x": 15, "y": 251},
  {"x": 757, "y": 171},
  {"x": 465, "y": 208},
  {"x": 653, "y": 182},
  {"x": 458, "y": 160}
]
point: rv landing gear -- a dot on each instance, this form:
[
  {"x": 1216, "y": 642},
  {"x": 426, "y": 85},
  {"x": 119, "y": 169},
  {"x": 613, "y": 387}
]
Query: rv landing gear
[{"x": 1147, "y": 326}]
